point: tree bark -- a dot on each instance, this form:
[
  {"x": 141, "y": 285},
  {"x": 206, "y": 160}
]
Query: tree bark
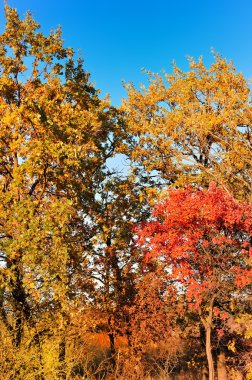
[
  {"x": 208, "y": 328},
  {"x": 62, "y": 357},
  {"x": 204, "y": 373},
  {"x": 209, "y": 353},
  {"x": 22, "y": 310},
  {"x": 112, "y": 348},
  {"x": 221, "y": 367}
]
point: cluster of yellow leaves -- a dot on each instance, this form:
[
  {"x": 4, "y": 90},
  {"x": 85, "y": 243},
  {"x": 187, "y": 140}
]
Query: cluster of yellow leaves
[{"x": 193, "y": 127}]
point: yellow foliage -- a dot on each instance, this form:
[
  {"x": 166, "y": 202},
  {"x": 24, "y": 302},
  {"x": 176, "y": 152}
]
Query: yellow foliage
[{"x": 193, "y": 127}]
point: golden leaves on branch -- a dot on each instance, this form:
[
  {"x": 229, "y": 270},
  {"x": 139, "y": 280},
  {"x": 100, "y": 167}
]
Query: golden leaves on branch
[{"x": 193, "y": 127}]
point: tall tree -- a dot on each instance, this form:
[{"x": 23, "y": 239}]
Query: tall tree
[
  {"x": 55, "y": 137},
  {"x": 204, "y": 239},
  {"x": 114, "y": 264},
  {"x": 193, "y": 127}
]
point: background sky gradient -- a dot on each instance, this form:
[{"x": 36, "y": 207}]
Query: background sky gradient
[{"x": 119, "y": 38}]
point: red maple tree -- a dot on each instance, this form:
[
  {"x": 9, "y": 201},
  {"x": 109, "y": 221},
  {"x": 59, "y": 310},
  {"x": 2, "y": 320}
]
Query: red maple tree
[{"x": 205, "y": 239}]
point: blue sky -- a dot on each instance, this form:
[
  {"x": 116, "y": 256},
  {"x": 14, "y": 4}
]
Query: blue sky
[{"x": 118, "y": 38}]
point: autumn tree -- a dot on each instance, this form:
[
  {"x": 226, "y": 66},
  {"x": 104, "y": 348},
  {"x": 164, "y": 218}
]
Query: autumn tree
[
  {"x": 56, "y": 135},
  {"x": 204, "y": 239},
  {"x": 120, "y": 203},
  {"x": 192, "y": 127}
]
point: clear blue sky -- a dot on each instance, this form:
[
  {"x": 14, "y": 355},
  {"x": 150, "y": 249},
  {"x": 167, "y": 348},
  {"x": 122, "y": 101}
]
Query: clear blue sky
[{"x": 117, "y": 38}]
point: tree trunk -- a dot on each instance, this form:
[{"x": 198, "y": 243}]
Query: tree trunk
[
  {"x": 209, "y": 353},
  {"x": 112, "y": 349},
  {"x": 39, "y": 348},
  {"x": 221, "y": 367},
  {"x": 107, "y": 295},
  {"x": 111, "y": 336},
  {"x": 204, "y": 373},
  {"x": 62, "y": 357},
  {"x": 22, "y": 310},
  {"x": 208, "y": 328}
]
